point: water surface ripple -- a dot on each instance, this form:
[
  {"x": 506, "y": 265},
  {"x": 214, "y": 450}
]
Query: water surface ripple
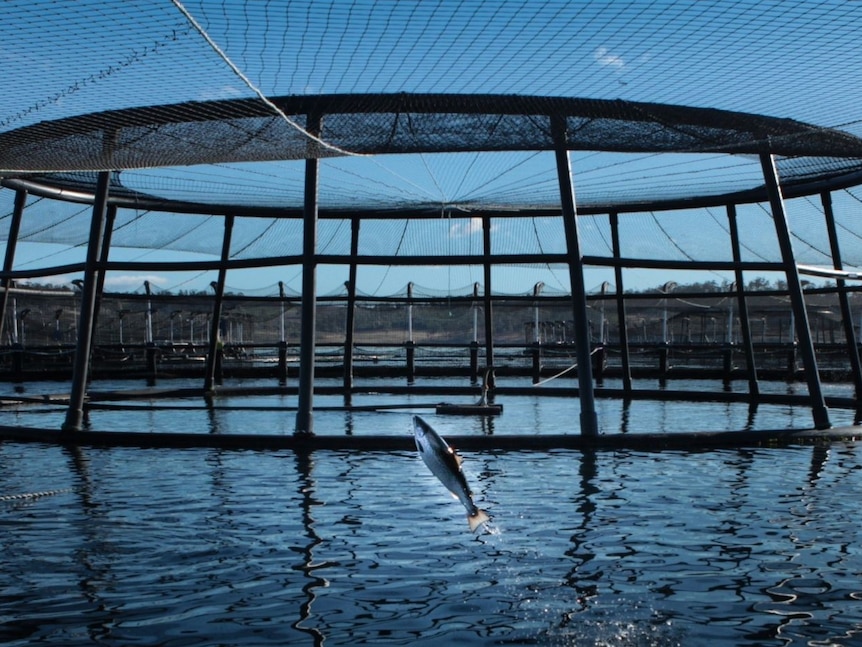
[{"x": 203, "y": 547}]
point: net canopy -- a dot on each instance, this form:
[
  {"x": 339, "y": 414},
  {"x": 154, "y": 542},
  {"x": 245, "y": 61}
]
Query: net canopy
[{"x": 427, "y": 115}]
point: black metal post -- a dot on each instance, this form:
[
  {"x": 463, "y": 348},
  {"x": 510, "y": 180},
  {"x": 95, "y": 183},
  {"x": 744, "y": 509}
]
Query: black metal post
[
  {"x": 350, "y": 324},
  {"x": 621, "y": 304},
  {"x": 794, "y": 287},
  {"x": 282, "y": 341},
  {"x": 538, "y": 336},
  {"x": 589, "y": 419},
  {"x": 150, "y": 352},
  {"x": 108, "y": 234},
  {"x": 474, "y": 345},
  {"x": 410, "y": 345},
  {"x": 215, "y": 342},
  {"x": 844, "y": 302},
  {"x": 305, "y": 400},
  {"x": 75, "y": 412},
  {"x": 745, "y": 324},
  {"x": 11, "y": 244},
  {"x": 489, "y": 317}
]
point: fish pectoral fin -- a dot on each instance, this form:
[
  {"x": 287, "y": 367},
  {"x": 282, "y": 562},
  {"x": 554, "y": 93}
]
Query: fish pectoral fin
[
  {"x": 455, "y": 457},
  {"x": 476, "y": 520}
]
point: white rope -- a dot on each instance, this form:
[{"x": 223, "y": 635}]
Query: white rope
[
  {"x": 194, "y": 23},
  {"x": 560, "y": 374},
  {"x": 563, "y": 372}
]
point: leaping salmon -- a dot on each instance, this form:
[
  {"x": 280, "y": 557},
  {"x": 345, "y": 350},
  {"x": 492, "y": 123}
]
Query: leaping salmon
[{"x": 445, "y": 464}]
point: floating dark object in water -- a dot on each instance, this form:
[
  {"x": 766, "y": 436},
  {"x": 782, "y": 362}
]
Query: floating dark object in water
[
  {"x": 480, "y": 408},
  {"x": 448, "y": 408}
]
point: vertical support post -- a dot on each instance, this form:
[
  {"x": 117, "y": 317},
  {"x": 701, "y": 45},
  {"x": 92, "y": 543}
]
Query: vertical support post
[
  {"x": 489, "y": 316},
  {"x": 844, "y": 302},
  {"x": 215, "y": 342},
  {"x": 745, "y": 324},
  {"x": 148, "y": 332},
  {"x": 537, "y": 335},
  {"x": 282, "y": 340},
  {"x": 150, "y": 352},
  {"x": 350, "y": 324},
  {"x": 409, "y": 345},
  {"x": 589, "y": 419},
  {"x": 11, "y": 244},
  {"x": 305, "y": 400},
  {"x": 621, "y": 304},
  {"x": 75, "y": 413},
  {"x": 107, "y": 236},
  {"x": 794, "y": 287},
  {"x": 474, "y": 345}
]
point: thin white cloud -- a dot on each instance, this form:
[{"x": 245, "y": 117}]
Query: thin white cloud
[
  {"x": 133, "y": 280},
  {"x": 605, "y": 58},
  {"x": 462, "y": 230},
  {"x": 224, "y": 92}
]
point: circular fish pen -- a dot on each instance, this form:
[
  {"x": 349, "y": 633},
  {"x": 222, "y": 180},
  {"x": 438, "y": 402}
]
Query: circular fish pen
[
  {"x": 272, "y": 269},
  {"x": 795, "y": 160},
  {"x": 363, "y": 177}
]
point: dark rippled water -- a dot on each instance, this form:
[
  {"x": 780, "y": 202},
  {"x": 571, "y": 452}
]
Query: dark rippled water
[{"x": 213, "y": 547}]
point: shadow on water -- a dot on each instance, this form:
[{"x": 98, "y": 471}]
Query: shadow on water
[
  {"x": 579, "y": 553},
  {"x": 213, "y": 418},
  {"x": 625, "y": 416},
  {"x": 93, "y": 572},
  {"x": 754, "y": 546},
  {"x": 306, "y": 489}
]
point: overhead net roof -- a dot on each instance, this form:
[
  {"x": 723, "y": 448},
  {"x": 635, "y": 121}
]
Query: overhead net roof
[{"x": 434, "y": 107}]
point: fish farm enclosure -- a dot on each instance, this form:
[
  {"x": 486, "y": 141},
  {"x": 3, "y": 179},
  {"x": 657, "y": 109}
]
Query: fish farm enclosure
[{"x": 610, "y": 251}]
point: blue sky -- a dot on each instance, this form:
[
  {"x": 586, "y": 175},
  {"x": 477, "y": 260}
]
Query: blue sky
[{"x": 776, "y": 57}]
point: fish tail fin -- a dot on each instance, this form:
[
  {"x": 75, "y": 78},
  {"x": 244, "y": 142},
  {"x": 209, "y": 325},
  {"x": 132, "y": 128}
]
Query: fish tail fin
[{"x": 476, "y": 520}]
